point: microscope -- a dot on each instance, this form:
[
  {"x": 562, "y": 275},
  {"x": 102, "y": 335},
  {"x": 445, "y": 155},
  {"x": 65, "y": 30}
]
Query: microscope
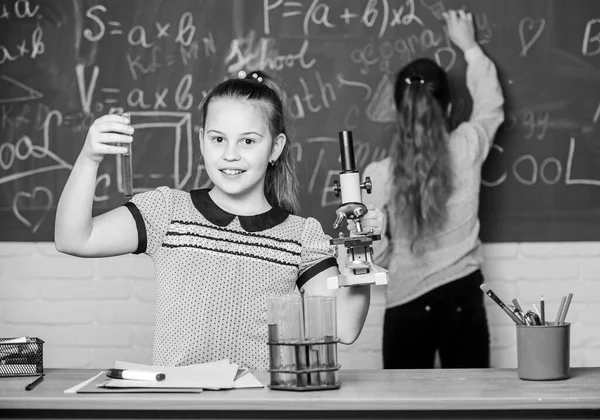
[{"x": 359, "y": 268}]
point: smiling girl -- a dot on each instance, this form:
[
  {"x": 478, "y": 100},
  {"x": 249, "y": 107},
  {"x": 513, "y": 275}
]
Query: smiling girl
[{"x": 218, "y": 253}]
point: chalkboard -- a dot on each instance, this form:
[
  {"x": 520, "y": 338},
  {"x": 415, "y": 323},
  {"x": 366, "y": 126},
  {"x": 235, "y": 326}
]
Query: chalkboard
[{"x": 63, "y": 63}]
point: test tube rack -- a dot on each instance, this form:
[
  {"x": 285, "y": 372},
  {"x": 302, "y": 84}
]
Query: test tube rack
[{"x": 315, "y": 366}]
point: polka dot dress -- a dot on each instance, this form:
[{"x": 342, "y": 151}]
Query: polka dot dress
[{"x": 214, "y": 271}]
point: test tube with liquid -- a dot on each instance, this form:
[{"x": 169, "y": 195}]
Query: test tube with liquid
[
  {"x": 296, "y": 310},
  {"x": 312, "y": 313},
  {"x": 127, "y": 166},
  {"x": 274, "y": 313},
  {"x": 329, "y": 356}
]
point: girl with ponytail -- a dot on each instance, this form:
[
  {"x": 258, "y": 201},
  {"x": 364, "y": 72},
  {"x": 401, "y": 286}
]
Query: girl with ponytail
[{"x": 430, "y": 192}]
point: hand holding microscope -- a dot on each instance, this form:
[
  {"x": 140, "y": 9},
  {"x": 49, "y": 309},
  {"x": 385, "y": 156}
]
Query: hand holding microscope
[
  {"x": 358, "y": 268},
  {"x": 303, "y": 330}
]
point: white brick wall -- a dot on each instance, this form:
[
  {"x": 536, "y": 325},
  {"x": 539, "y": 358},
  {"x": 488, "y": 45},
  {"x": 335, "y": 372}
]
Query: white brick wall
[{"x": 91, "y": 312}]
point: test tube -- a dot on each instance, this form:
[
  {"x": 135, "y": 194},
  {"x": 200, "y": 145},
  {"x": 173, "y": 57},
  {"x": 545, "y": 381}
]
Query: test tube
[
  {"x": 289, "y": 330},
  {"x": 313, "y": 333},
  {"x": 273, "y": 316},
  {"x": 297, "y": 311},
  {"x": 329, "y": 319},
  {"x": 127, "y": 166}
]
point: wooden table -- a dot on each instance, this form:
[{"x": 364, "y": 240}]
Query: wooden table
[{"x": 372, "y": 394}]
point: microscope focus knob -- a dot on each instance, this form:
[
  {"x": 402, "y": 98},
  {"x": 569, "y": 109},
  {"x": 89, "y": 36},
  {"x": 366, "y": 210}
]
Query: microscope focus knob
[
  {"x": 336, "y": 188},
  {"x": 367, "y": 185},
  {"x": 339, "y": 219},
  {"x": 359, "y": 212}
]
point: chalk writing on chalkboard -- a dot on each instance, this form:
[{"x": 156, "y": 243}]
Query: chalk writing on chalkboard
[{"x": 65, "y": 63}]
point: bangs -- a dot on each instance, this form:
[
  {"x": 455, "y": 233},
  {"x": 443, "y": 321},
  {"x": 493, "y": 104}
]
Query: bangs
[{"x": 247, "y": 89}]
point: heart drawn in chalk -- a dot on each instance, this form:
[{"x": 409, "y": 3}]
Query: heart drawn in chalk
[
  {"x": 40, "y": 197},
  {"x": 527, "y": 29}
]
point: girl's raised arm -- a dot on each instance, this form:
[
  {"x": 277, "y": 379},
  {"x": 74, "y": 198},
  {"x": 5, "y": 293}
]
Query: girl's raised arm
[
  {"x": 482, "y": 80},
  {"x": 76, "y": 232}
]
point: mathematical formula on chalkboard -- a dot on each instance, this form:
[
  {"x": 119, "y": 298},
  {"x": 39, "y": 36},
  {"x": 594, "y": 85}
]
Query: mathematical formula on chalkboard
[{"x": 65, "y": 63}]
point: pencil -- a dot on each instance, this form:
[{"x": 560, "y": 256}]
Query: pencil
[
  {"x": 565, "y": 309},
  {"x": 542, "y": 310},
  {"x": 560, "y": 308}
]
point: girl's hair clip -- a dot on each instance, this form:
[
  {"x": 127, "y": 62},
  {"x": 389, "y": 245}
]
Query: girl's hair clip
[
  {"x": 414, "y": 79},
  {"x": 243, "y": 75},
  {"x": 257, "y": 77}
]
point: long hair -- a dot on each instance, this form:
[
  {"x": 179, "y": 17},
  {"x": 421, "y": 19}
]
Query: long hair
[
  {"x": 281, "y": 184},
  {"x": 420, "y": 158}
]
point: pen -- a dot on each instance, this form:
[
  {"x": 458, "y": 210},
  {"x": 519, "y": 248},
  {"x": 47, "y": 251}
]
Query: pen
[
  {"x": 135, "y": 375},
  {"x": 35, "y": 383},
  {"x": 542, "y": 310},
  {"x": 496, "y": 299}
]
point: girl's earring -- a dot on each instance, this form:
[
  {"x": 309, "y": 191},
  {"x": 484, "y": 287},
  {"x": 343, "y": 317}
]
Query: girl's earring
[{"x": 272, "y": 162}]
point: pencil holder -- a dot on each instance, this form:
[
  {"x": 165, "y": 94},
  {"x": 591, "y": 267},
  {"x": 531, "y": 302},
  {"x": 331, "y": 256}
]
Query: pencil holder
[
  {"x": 303, "y": 343},
  {"x": 24, "y": 358},
  {"x": 543, "y": 352}
]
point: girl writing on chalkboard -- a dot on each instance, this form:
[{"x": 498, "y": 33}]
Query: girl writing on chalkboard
[
  {"x": 432, "y": 247},
  {"x": 219, "y": 252}
]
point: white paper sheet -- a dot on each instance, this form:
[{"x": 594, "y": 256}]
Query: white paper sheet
[{"x": 215, "y": 375}]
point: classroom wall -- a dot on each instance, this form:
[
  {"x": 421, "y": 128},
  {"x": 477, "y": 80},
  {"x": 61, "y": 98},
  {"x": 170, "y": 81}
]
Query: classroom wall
[{"x": 91, "y": 312}]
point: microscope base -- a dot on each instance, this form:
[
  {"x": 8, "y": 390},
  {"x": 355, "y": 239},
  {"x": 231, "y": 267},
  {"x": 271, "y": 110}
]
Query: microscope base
[{"x": 350, "y": 279}]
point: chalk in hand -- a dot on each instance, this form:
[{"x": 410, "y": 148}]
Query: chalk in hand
[{"x": 135, "y": 375}]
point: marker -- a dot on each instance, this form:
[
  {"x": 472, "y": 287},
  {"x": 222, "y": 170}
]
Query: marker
[
  {"x": 542, "y": 310},
  {"x": 35, "y": 383},
  {"x": 496, "y": 299},
  {"x": 135, "y": 375}
]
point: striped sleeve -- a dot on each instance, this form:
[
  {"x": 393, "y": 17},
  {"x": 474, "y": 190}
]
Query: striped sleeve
[{"x": 152, "y": 213}]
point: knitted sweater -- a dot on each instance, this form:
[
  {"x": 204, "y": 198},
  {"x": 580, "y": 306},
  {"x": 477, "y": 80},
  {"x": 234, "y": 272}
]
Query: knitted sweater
[{"x": 455, "y": 251}]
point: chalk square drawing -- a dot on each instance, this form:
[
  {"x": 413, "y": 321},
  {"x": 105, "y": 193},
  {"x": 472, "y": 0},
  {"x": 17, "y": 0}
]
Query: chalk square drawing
[{"x": 161, "y": 140}]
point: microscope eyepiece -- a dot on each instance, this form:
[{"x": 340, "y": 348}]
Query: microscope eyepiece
[{"x": 347, "y": 151}]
